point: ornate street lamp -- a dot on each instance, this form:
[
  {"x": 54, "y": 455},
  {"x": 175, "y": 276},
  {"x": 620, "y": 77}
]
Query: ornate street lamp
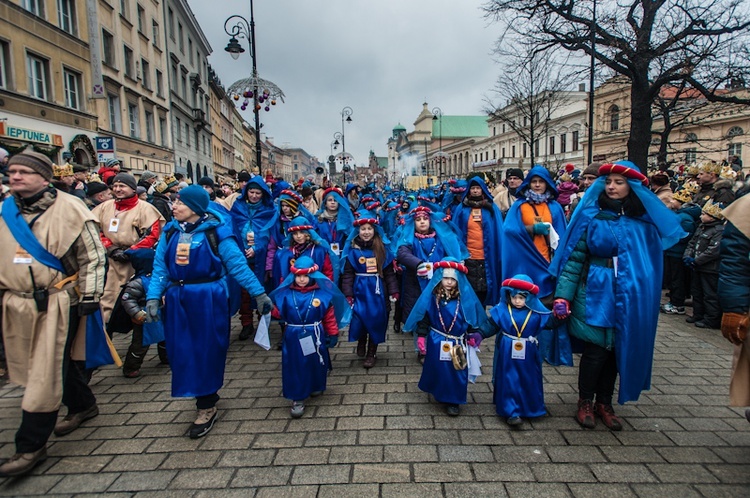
[
  {"x": 440, "y": 156},
  {"x": 263, "y": 93}
]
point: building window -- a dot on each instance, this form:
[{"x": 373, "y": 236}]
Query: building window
[
  {"x": 536, "y": 147},
  {"x": 134, "y": 118},
  {"x": 38, "y": 76},
  {"x": 614, "y": 118},
  {"x": 735, "y": 150},
  {"x": 184, "y": 88},
  {"x": 150, "y": 127},
  {"x": 72, "y": 84},
  {"x": 563, "y": 143},
  {"x": 190, "y": 50},
  {"x": 108, "y": 49},
  {"x": 691, "y": 155},
  {"x": 113, "y": 101},
  {"x": 523, "y": 149},
  {"x": 129, "y": 62},
  {"x": 170, "y": 20},
  {"x": 576, "y": 141},
  {"x": 551, "y": 145},
  {"x": 159, "y": 83},
  {"x": 66, "y": 16},
  {"x": 163, "y": 131},
  {"x": 502, "y": 152},
  {"x": 513, "y": 151},
  {"x": 36, "y": 7},
  {"x": 180, "y": 38},
  {"x": 146, "y": 74},
  {"x": 174, "y": 74},
  {"x": 4, "y": 65},
  {"x": 155, "y": 33},
  {"x": 141, "y": 20},
  {"x": 735, "y": 131},
  {"x": 125, "y": 8},
  {"x": 178, "y": 130}
]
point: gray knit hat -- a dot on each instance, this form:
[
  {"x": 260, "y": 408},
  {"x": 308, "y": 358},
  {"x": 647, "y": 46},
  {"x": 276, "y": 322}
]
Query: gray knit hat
[
  {"x": 40, "y": 163},
  {"x": 125, "y": 178}
]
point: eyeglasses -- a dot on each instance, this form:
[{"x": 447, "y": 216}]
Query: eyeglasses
[{"x": 22, "y": 172}]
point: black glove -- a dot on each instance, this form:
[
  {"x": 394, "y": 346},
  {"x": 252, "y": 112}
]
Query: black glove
[
  {"x": 87, "y": 307},
  {"x": 118, "y": 254},
  {"x": 264, "y": 303}
]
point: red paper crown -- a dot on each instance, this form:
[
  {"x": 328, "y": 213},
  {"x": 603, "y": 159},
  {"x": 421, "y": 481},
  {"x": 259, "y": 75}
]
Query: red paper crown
[
  {"x": 447, "y": 217},
  {"x": 372, "y": 206},
  {"x": 364, "y": 221},
  {"x": 619, "y": 169},
  {"x": 297, "y": 228},
  {"x": 420, "y": 210},
  {"x": 333, "y": 189},
  {"x": 521, "y": 285},
  {"x": 291, "y": 193},
  {"x": 451, "y": 264},
  {"x": 304, "y": 271}
]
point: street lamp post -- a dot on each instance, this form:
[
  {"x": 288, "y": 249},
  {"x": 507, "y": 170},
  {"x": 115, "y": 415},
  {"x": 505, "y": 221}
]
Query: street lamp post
[
  {"x": 259, "y": 90},
  {"x": 437, "y": 115}
]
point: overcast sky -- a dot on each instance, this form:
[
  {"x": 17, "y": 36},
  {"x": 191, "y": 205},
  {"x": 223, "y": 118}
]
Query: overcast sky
[{"x": 382, "y": 58}]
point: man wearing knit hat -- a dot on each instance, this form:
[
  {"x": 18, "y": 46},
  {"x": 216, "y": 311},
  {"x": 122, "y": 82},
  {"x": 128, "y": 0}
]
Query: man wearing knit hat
[
  {"x": 126, "y": 222},
  {"x": 51, "y": 275},
  {"x": 505, "y": 196},
  {"x": 147, "y": 180}
]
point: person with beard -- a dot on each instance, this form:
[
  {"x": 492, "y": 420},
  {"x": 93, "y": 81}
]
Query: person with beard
[
  {"x": 368, "y": 281},
  {"x": 253, "y": 216},
  {"x": 505, "y": 194},
  {"x": 97, "y": 192},
  {"x": 79, "y": 187},
  {"x": 713, "y": 187},
  {"x": 531, "y": 231},
  {"x": 125, "y": 222},
  {"x": 480, "y": 222},
  {"x": 605, "y": 267}
]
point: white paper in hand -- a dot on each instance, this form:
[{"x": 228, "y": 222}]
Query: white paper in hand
[
  {"x": 554, "y": 237},
  {"x": 261, "y": 335}
]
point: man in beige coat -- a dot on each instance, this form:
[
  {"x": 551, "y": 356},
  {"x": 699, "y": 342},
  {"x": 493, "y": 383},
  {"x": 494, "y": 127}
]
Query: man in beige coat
[
  {"x": 42, "y": 306},
  {"x": 126, "y": 222}
]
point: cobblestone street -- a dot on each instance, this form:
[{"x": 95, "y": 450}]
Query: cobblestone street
[{"x": 374, "y": 434}]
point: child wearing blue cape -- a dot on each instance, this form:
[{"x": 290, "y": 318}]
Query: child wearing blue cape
[
  {"x": 313, "y": 309},
  {"x": 517, "y": 377},
  {"x": 445, "y": 315}
]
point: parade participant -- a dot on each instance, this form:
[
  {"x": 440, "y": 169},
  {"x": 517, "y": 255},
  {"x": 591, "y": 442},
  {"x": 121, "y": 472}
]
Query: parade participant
[
  {"x": 52, "y": 267},
  {"x": 422, "y": 243},
  {"x": 142, "y": 193},
  {"x": 517, "y": 379},
  {"x": 63, "y": 178},
  {"x": 480, "y": 222},
  {"x": 452, "y": 197},
  {"x": 506, "y": 196},
  {"x": 352, "y": 195},
  {"x": 147, "y": 180},
  {"x": 531, "y": 230},
  {"x": 109, "y": 170},
  {"x": 159, "y": 198},
  {"x": 702, "y": 255},
  {"x": 367, "y": 278},
  {"x": 4, "y": 158},
  {"x": 660, "y": 186},
  {"x": 734, "y": 295},
  {"x": 192, "y": 279},
  {"x": 313, "y": 309},
  {"x": 677, "y": 275},
  {"x": 444, "y": 316},
  {"x": 125, "y": 222},
  {"x": 334, "y": 223},
  {"x": 289, "y": 207},
  {"x": 303, "y": 240},
  {"x": 308, "y": 199},
  {"x": 253, "y": 215},
  {"x": 97, "y": 192},
  {"x": 129, "y": 314},
  {"x": 567, "y": 190},
  {"x": 605, "y": 267},
  {"x": 79, "y": 187},
  {"x": 713, "y": 187}
]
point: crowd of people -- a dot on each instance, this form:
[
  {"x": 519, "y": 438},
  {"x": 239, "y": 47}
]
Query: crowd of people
[{"x": 550, "y": 262}]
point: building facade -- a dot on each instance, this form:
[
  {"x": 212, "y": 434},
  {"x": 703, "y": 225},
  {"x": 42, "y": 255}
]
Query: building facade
[
  {"x": 221, "y": 129},
  {"x": 188, "y": 50}
]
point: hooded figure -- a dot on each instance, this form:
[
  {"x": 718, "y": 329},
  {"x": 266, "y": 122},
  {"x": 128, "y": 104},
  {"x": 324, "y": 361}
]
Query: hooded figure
[
  {"x": 334, "y": 225},
  {"x": 531, "y": 229},
  {"x": 313, "y": 246}
]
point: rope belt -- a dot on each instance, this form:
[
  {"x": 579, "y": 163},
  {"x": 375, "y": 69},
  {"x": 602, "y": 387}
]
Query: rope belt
[
  {"x": 377, "y": 283},
  {"x": 531, "y": 339},
  {"x": 317, "y": 329}
]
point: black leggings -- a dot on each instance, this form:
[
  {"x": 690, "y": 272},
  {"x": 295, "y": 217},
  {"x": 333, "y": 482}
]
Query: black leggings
[{"x": 597, "y": 373}]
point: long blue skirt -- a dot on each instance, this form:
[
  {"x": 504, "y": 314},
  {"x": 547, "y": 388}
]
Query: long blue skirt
[
  {"x": 439, "y": 377},
  {"x": 518, "y": 383},
  {"x": 300, "y": 374}
]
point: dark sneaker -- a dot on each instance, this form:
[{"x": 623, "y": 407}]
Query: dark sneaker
[
  {"x": 453, "y": 410},
  {"x": 245, "y": 333},
  {"x": 693, "y": 319},
  {"x": 607, "y": 414},
  {"x": 702, "y": 325},
  {"x": 671, "y": 309},
  {"x": 514, "y": 421},
  {"x": 22, "y": 463},
  {"x": 315, "y": 394},
  {"x": 297, "y": 410},
  {"x": 131, "y": 374},
  {"x": 203, "y": 423},
  {"x": 585, "y": 414},
  {"x": 73, "y": 421},
  {"x": 420, "y": 358}
]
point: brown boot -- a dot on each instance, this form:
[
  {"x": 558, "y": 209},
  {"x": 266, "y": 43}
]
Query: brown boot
[
  {"x": 362, "y": 345},
  {"x": 372, "y": 350},
  {"x": 585, "y": 414},
  {"x": 607, "y": 414},
  {"x": 23, "y": 463}
]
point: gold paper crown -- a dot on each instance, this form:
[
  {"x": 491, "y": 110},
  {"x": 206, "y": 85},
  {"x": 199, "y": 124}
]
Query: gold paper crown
[
  {"x": 728, "y": 173},
  {"x": 710, "y": 167},
  {"x": 160, "y": 186},
  {"x": 565, "y": 177},
  {"x": 93, "y": 178},
  {"x": 686, "y": 193},
  {"x": 61, "y": 171},
  {"x": 692, "y": 170},
  {"x": 714, "y": 209},
  {"x": 170, "y": 180}
]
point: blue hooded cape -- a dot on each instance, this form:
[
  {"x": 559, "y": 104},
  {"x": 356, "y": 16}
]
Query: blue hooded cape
[
  {"x": 635, "y": 293},
  {"x": 449, "y": 242},
  {"x": 520, "y": 255},
  {"x": 492, "y": 227},
  {"x": 344, "y": 220}
]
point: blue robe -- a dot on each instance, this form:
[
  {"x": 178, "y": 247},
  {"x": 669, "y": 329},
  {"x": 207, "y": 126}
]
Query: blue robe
[
  {"x": 439, "y": 377},
  {"x": 370, "y": 312},
  {"x": 518, "y": 383}
]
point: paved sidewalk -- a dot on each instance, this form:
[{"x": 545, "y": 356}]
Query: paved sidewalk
[{"x": 374, "y": 434}]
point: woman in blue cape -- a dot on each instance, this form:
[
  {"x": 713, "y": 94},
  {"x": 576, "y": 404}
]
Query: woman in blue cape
[
  {"x": 425, "y": 239},
  {"x": 517, "y": 378},
  {"x": 334, "y": 219},
  {"x": 303, "y": 240},
  {"x": 368, "y": 281},
  {"x": 252, "y": 216},
  {"x": 289, "y": 206},
  {"x": 608, "y": 267},
  {"x": 445, "y": 314},
  {"x": 193, "y": 281},
  {"x": 531, "y": 228},
  {"x": 314, "y": 310},
  {"x": 480, "y": 223}
]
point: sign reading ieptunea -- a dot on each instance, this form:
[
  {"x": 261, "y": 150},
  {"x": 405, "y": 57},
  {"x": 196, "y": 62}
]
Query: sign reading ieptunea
[{"x": 26, "y": 135}]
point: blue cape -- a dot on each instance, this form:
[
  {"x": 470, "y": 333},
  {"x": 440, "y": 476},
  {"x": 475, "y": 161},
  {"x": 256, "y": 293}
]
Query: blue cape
[
  {"x": 637, "y": 287},
  {"x": 344, "y": 217},
  {"x": 447, "y": 238}
]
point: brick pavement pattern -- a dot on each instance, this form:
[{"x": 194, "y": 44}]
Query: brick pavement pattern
[{"x": 375, "y": 434}]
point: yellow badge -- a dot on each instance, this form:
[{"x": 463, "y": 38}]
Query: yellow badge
[
  {"x": 316, "y": 302},
  {"x": 446, "y": 347},
  {"x": 291, "y": 262},
  {"x": 361, "y": 260},
  {"x": 518, "y": 345}
]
